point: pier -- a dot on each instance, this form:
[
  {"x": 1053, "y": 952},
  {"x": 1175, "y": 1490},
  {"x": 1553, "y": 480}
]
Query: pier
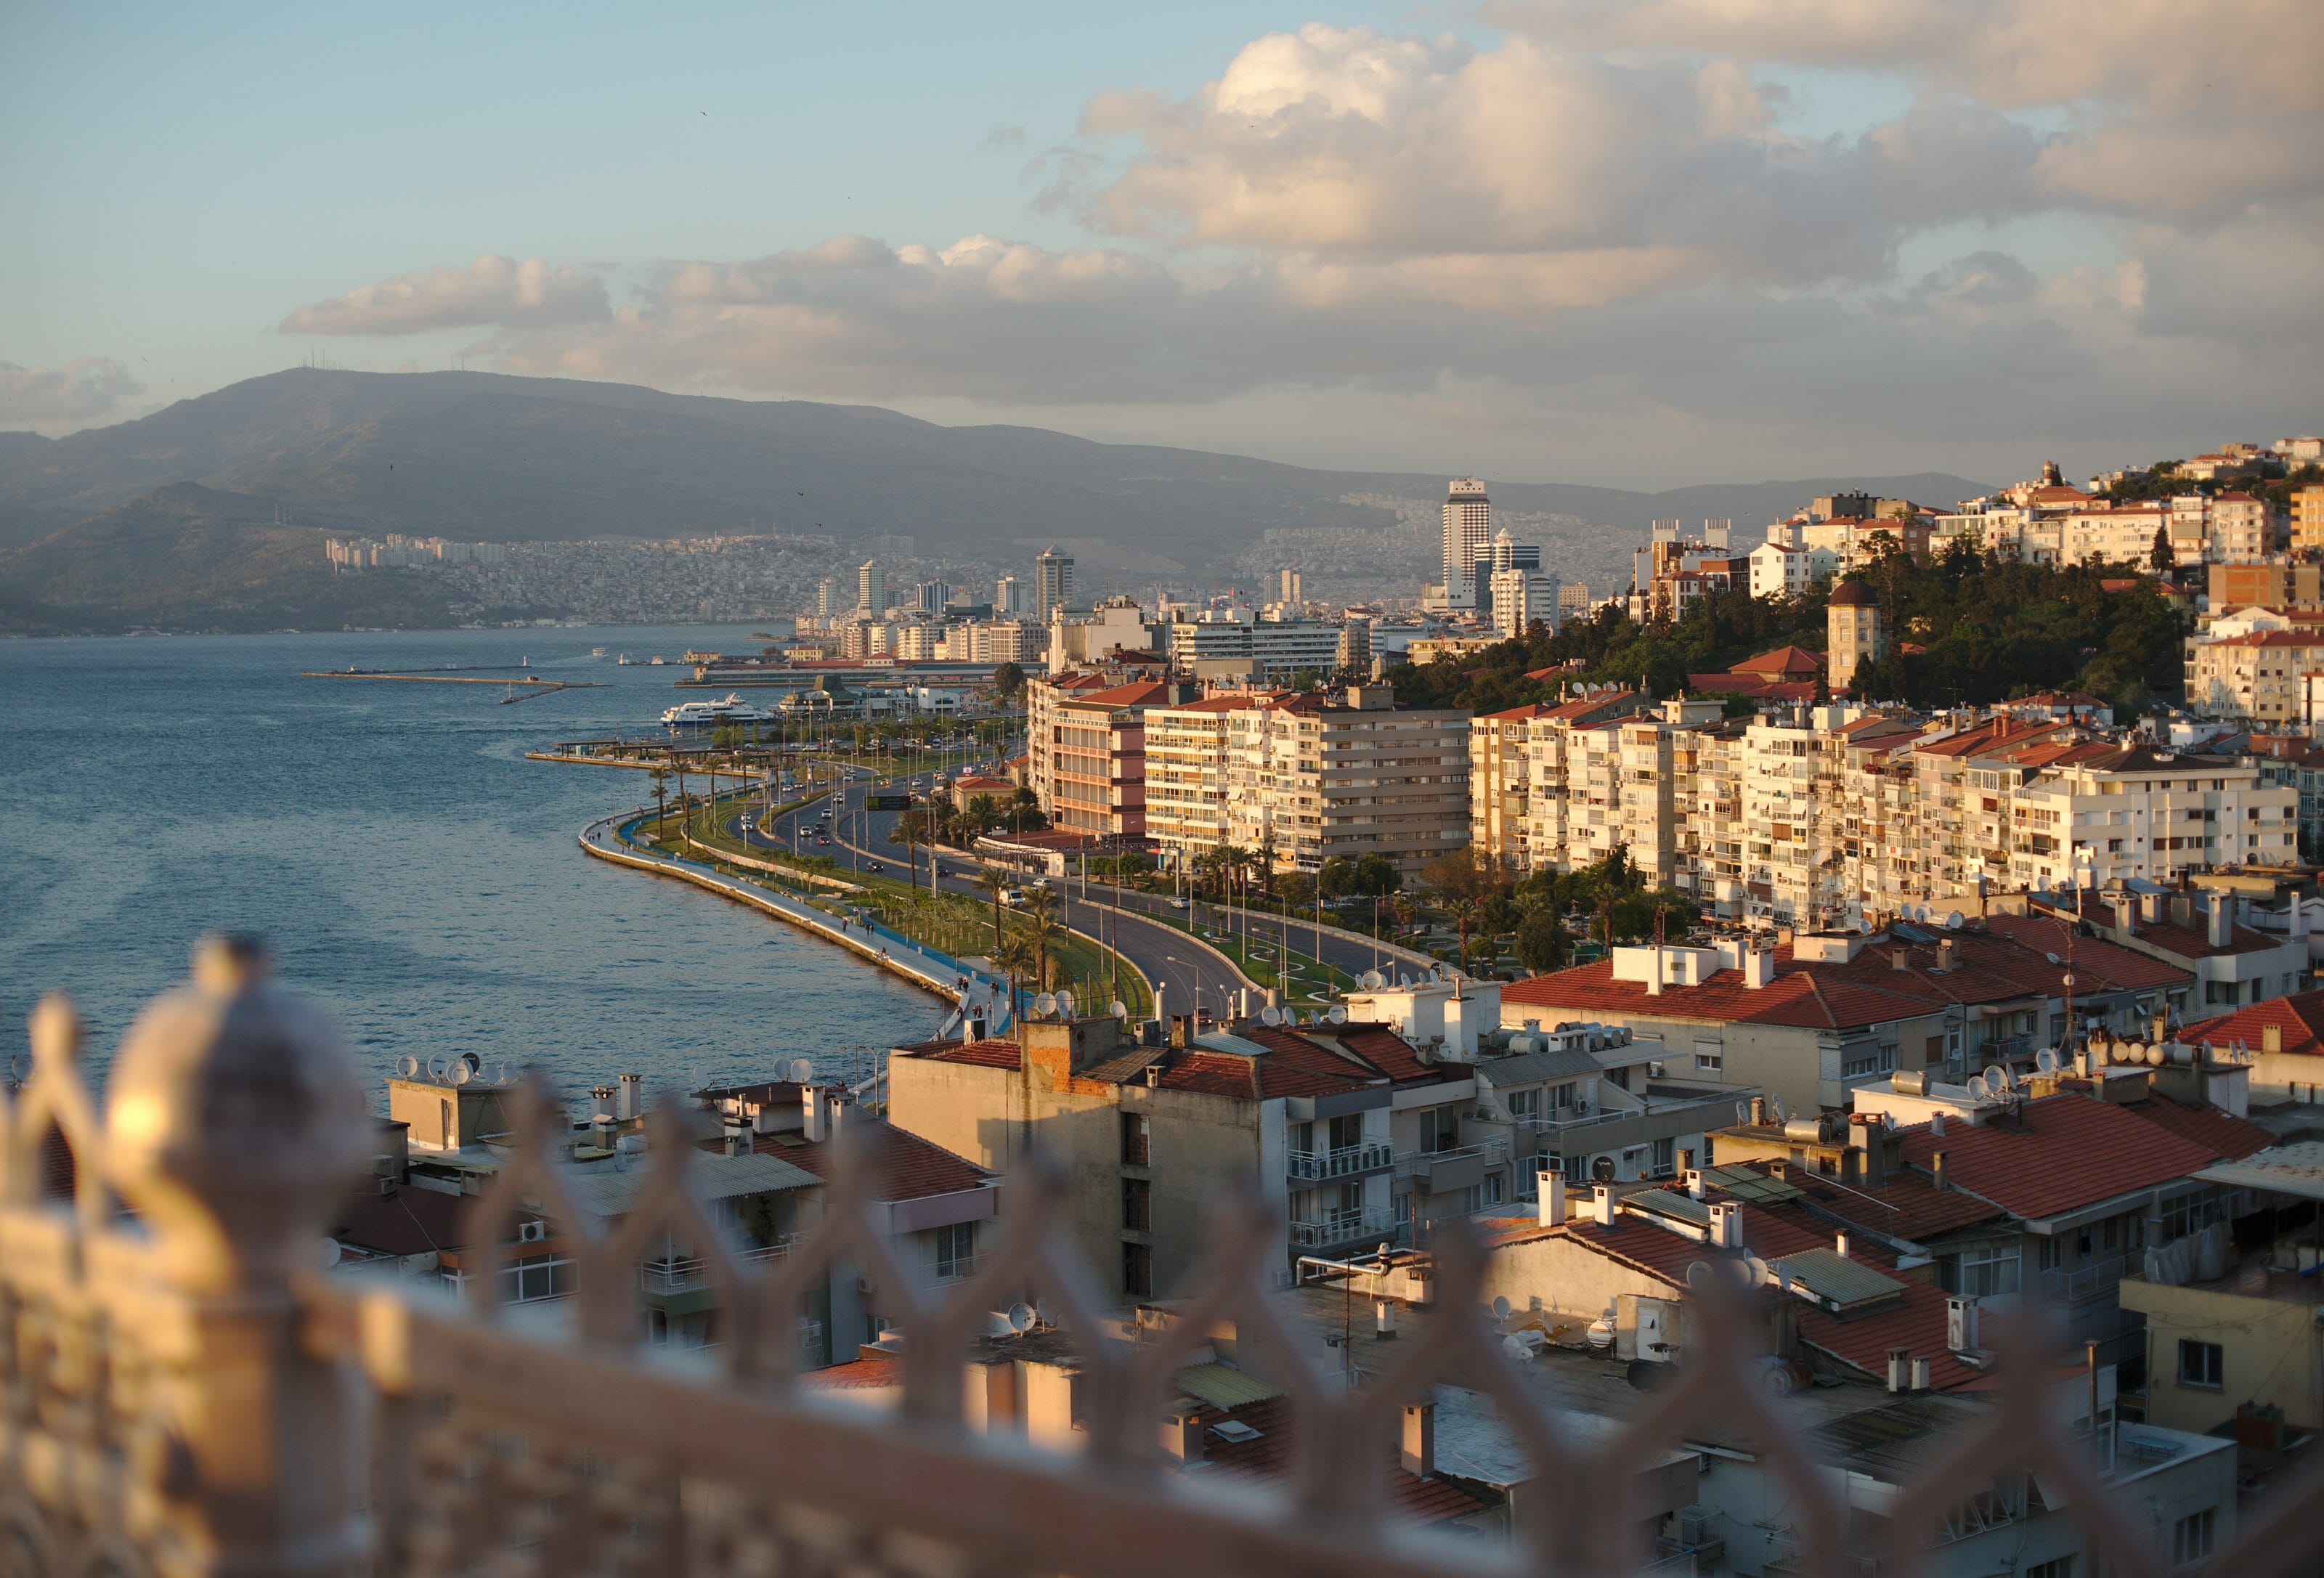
[{"x": 520, "y": 686}]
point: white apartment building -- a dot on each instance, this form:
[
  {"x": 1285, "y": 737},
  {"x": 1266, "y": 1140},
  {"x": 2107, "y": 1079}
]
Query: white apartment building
[
  {"x": 1781, "y": 569},
  {"x": 1313, "y": 778},
  {"x": 2261, "y": 675},
  {"x": 1187, "y": 774},
  {"x": 1523, "y": 598},
  {"x": 2095, "y": 813},
  {"x": 1235, "y": 641},
  {"x": 2112, "y": 534}
]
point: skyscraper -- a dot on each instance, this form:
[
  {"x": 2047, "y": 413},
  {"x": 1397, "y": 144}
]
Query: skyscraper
[
  {"x": 1052, "y": 583},
  {"x": 871, "y": 588},
  {"x": 827, "y": 598},
  {"x": 1292, "y": 587},
  {"x": 1467, "y": 529},
  {"x": 1008, "y": 597}
]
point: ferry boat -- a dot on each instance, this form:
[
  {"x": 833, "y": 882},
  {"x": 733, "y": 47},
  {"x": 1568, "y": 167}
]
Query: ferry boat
[{"x": 703, "y": 714}]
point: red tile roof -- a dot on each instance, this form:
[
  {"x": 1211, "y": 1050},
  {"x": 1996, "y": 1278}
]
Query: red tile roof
[
  {"x": 869, "y": 1371},
  {"x": 1272, "y": 1454},
  {"x": 2232, "y": 1137},
  {"x": 1907, "y": 1207},
  {"x": 1863, "y": 1340},
  {"x": 1795, "y": 997},
  {"x": 2299, "y": 1017},
  {"x": 986, "y": 1053},
  {"x": 2192, "y": 941},
  {"x": 2064, "y": 1152},
  {"x": 910, "y": 1167}
]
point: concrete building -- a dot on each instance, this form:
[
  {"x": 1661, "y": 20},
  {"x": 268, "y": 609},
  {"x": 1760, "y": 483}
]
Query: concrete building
[
  {"x": 1008, "y": 597},
  {"x": 1354, "y": 653},
  {"x": 1052, "y": 583},
  {"x": 870, "y": 589},
  {"x": 1468, "y": 530},
  {"x": 1521, "y": 599},
  {"x": 1115, "y": 626},
  {"x": 1781, "y": 569},
  {"x": 1235, "y": 644},
  {"x": 1087, "y": 752},
  {"x": 1315, "y": 776},
  {"x": 1855, "y": 633},
  {"x": 2306, "y": 517},
  {"x": 2269, "y": 585},
  {"x": 1187, "y": 775},
  {"x": 2261, "y": 676}
]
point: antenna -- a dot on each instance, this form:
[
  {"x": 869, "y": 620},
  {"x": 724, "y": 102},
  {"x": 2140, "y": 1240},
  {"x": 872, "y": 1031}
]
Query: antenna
[
  {"x": 1755, "y": 1269},
  {"x": 1500, "y": 1306},
  {"x": 2046, "y": 1060},
  {"x": 1954, "y": 920},
  {"x": 1047, "y": 1003},
  {"x": 437, "y": 1068},
  {"x": 1371, "y": 980}
]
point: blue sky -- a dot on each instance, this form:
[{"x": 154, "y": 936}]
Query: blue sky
[{"x": 1552, "y": 240}]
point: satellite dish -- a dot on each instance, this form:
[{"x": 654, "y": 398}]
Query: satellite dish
[
  {"x": 2046, "y": 1061},
  {"x": 1698, "y": 1274},
  {"x": 1021, "y": 1317},
  {"x": 1065, "y": 1003},
  {"x": 499, "y": 1074},
  {"x": 1516, "y": 1348},
  {"x": 475, "y": 1064},
  {"x": 1500, "y": 1306},
  {"x": 327, "y": 1251},
  {"x": 1047, "y": 1003},
  {"x": 407, "y": 1066},
  {"x": 1954, "y": 920},
  {"x": 1371, "y": 980},
  {"x": 461, "y": 1073},
  {"x": 1337, "y": 1015},
  {"x": 1271, "y": 1015},
  {"x": 1755, "y": 1272},
  {"x": 437, "y": 1068},
  {"x": 1775, "y": 1107},
  {"x": 1602, "y": 1170},
  {"x": 1118, "y": 1008},
  {"x": 2053, "y": 958}
]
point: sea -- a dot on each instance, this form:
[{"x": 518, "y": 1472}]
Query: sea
[{"x": 406, "y": 867}]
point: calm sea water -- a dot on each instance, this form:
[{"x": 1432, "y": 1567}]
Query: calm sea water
[{"x": 410, "y": 869}]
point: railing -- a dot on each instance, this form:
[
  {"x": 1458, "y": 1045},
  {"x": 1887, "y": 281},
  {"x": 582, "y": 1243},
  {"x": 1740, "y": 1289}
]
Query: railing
[
  {"x": 1347, "y": 1161},
  {"x": 1411, "y": 1164},
  {"x": 2081, "y": 1284},
  {"x": 684, "y": 1275},
  {"x": 1347, "y": 1227},
  {"x": 184, "y": 1394}
]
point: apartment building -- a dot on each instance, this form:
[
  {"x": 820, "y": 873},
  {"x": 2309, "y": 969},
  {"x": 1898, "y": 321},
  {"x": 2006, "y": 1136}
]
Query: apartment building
[
  {"x": 2270, "y": 584},
  {"x": 1234, "y": 643},
  {"x": 1548, "y": 750},
  {"x": 1783, "y": 570},
  {"x": 2122, "y": 534},
  {"x": 2260, "y": 675},
  {"x": 2307, "y": 518},
  {"x": 1187, "y": 775},
  {"x": 1313, "y": 776},
  {"x": 2097, "y": 813},
  {"x": 1090, "y": 774}
]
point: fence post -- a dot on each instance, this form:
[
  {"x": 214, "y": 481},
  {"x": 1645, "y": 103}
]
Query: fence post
[{"x": 236, "y": 1120}]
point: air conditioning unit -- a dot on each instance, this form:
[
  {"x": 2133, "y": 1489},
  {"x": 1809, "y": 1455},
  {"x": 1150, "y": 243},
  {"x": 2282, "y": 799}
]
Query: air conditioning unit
[{"x": 532, "y": 1232}]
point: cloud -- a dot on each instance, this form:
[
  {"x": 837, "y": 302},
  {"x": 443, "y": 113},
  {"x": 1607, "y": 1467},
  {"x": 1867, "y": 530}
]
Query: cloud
[
  {"x": 78, "y": 393},
  {"x": 491, "y": 291}
]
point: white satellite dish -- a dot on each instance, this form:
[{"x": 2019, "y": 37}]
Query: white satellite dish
[
  {"x": 499, "y": 1074},
  {"x": 801, "y": 1070},
  {"x": 1271, "y": 1015},
  {"x": 1021, "y": 1317},
  {"x": 1065, "y": 1003},
  {"x": 1337, "y": 1015},
  {"x": 1371, "y": 980},
  {"x": 1754, "y": 1270},
  {"x": 1698, "y": 1274},
  {"x": 1047, "y": 1003},
  {"x": 1118, "y": 1008},
  {"x": 1776, "y": 1106},
  {"x": 2053, "y": 958},
  {"x": 1516, "y": 1348},
  {"x": 1500, "y": 1307},
  {"x": 437, "y": 1068},
  {"x": 461, "y": 1073},
  {"x": 1954, "y": 920},
  {"x": 407, "y": 1066},
  {"x": 2046, "y": 1061}
]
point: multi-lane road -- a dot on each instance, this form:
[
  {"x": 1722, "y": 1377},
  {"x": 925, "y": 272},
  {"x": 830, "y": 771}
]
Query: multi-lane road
[{"x": 1191, "y": 976}]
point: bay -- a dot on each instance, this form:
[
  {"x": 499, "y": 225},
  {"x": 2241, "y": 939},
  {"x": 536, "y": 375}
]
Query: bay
[{"x": 406, "y": 865}]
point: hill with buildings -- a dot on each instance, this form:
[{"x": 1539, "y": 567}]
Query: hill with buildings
[{"x": 481, "y": 457}]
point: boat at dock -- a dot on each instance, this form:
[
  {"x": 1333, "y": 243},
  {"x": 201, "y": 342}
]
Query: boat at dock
[{"x": 704, "y": 715}]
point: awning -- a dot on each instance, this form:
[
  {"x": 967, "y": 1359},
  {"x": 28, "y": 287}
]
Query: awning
[{"x": 2281, "y": 1169}]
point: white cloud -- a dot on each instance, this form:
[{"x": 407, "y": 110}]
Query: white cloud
[
  {"x": 71, "y": 395},
  {"x": 492, "y": 290}
]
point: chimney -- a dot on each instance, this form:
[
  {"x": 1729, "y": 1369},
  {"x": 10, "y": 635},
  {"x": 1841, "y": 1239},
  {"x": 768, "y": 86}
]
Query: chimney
[
  {"x": 1602, "y": 1205},
  {"x": 737, "y": 1137},
  {"x": 1946, "y": 951},
  {"x": 811, "y": 1109},
  {"x": 601, "y": 1101},
  {"x": 1758, "y": 1112},
  {"x": 1937, "y": 1168},
  {"x": 2223, "y": 918},
  {"x": 1420, "y": 1439},
  {"x": 633, "y": 1103},
  {"x": 1383, "y": 1320},
  {"x": 1552, "y": 1196},
  {"x": 1936, "y": 1125},
  {"x": 1758, "y": 968},
  {"x": 2150, "y": 908},
  {"x": 1898, "y": 961},
  {"x": 2271, "y": 1038},
  {"x": 1840, "y": 1245},
  {"x": 2125, "y": 914},
  {"x": 1695, "y": 1183},
  {"x": 1182, "y": 1433},
  {"x": 2182, "y": 911},
  {"x": 1960, "y": 1323},
  {"x": 1919, "y": 1380},
  {"x": 1727, "y": 1225},
  {"x": 1900, "y": 1362},
  {"x": 832, "y": 1113},
  {"x": 1182, "y": 1030},
  {"x": 1654, "y": 976}
]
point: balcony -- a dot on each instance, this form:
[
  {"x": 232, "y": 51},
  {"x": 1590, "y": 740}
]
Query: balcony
[
  {"x": 1439, "y": 1172},
  {"x": 686, "y": 1274},
  {"x": 1340, "y": 1229},
  {"x": 1349, "y": 1161}
]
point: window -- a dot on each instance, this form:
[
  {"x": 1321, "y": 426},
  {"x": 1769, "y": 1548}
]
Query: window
[
  {"x": 2052, "y": 1255},
  {"x": 2055, "y": 1567},
  {"x": 540, "y": 1277},
  {"x": 1137, "y": 1205},
  {"x": 1137, "y": 1149},
  {"x": 1987, "y": 1271},
  {"x": 1136, "y": 1271},
  {"x": 1348, "y": 1131},
  {"x": 955, "y": 1251},
  {"x": 1440, "y": 1129},
  {"x": 1525, "y": 1105},
  {"x": 2191, "y": 1536},
  {"x": 2201, "y": 1364},
  {"x": 1709, "y": 1062},
  {"x": 1665, "y": 1157}
]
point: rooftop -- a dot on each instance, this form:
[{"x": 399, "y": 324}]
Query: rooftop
[{"x": 2060, "y": 1154}]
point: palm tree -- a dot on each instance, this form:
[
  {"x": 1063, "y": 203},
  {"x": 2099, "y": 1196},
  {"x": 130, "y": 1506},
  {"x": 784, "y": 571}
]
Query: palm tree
[
  {"x": 983, "y": 811},
  {"x": 678, "y": 761},
  {"x": 1013, "y": 958},
  {"x": 1265, "y": 858},
  {"x": 1462, "y": 913},
  {"x": 907, "y": 833},
  {"x": 661, "y": 779},
  {"x": 995, "y": 884},
  {"x": 1041, "y": 926}
]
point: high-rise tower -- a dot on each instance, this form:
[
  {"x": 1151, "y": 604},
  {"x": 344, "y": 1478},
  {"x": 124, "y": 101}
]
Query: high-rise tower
[
  {"x": 1053, "y": 583},
  {"x": 1468, "y": 530},
  {"x": 871, "y": 588}
]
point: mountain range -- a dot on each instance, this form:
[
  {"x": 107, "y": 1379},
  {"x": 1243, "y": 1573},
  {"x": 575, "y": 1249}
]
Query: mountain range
[{"x": 204, "y": 488}]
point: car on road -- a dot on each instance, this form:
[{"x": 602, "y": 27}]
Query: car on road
[
  {"x": 1202, "y": 1020},
  {"x": 874, "y": 867},
  {"x": 1176, "y": 902}
]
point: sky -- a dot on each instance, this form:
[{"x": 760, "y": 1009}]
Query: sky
[{"x": 1636, "y": 243}]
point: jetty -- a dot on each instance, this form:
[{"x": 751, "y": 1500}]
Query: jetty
[{"x": 522, "y": 687}]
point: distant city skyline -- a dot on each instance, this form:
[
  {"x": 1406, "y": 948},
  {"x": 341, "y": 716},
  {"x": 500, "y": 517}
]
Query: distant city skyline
[{"x": 1642, "y": 246}]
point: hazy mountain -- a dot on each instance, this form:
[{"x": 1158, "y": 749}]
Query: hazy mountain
[{"x": 477, "y": 456}]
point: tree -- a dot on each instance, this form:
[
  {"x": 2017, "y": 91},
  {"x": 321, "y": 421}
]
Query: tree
[
  {"x": 983, "y": 811},
  {"x": 909, "y": 832},
  {"x": 1007, "y": 679},
  {"x": 1462, "y": 876},
  {"x": 993, "y": 882},
  {"x": 1041, "y": 928},
  {"x": 1543, "y": 942},
  {"x": 1462, "y": 913},
  {"x": 2160, "y": 556},
  {"x": 1014, "y": 958},
  {"x": 660, "y": 777}
]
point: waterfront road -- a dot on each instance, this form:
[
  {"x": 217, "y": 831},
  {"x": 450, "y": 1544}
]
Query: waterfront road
[
  {"x": 1192, "y": 977},
  {"x": 1190, "y": 974}
]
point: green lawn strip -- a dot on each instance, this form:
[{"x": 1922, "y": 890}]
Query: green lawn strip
[{"x": 1310, "y": 981}]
